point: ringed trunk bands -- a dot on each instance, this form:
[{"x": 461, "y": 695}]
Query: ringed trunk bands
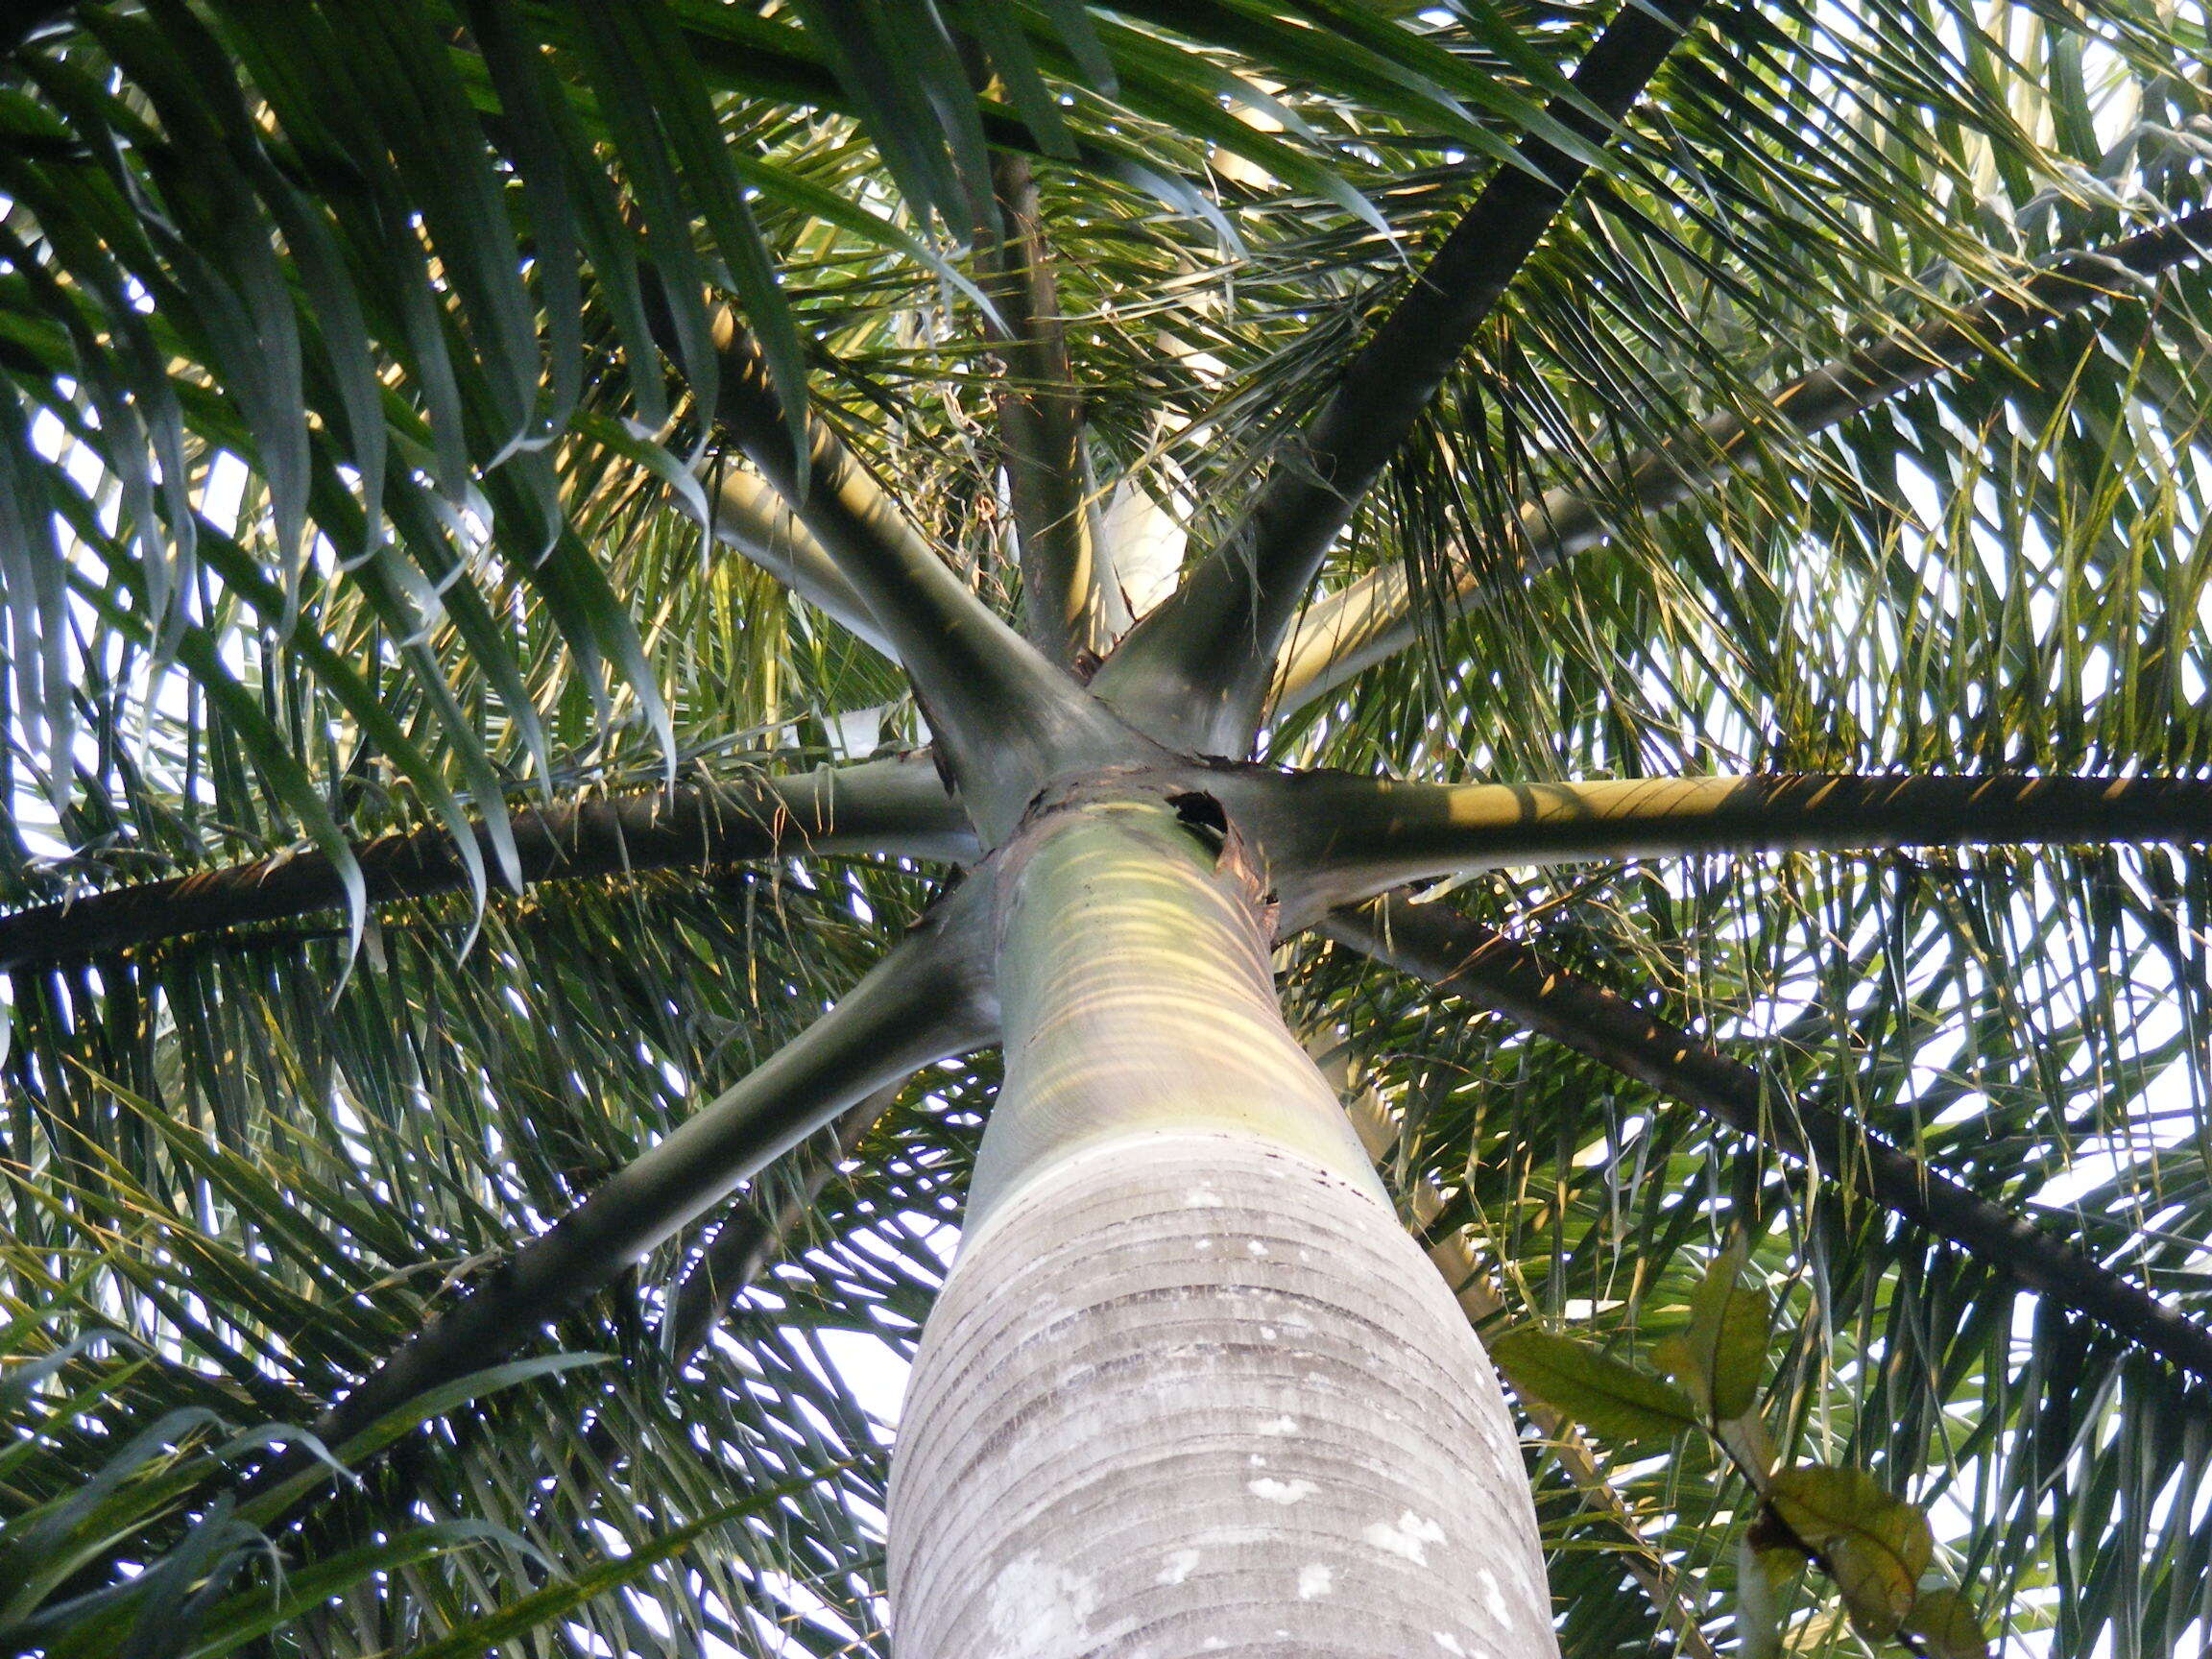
[
  {"x": 1191, "y": 1388},
  {"x": 1197, "y": 1394}
]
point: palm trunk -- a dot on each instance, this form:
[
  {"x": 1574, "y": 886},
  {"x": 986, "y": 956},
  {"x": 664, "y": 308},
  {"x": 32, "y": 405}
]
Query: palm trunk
[{"x": 1191, "y": 1388}]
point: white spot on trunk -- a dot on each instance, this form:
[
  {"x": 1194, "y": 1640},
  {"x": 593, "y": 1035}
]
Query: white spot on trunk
[
  {"x": 1284, "y": 1492},
  {"x": 1180, "y": 1565},
  {"x": 1493, "y": 1599},
  {"x": 1316, "y": 1578},
  {"x": 1203, "y": 1198},
  {"x": 1255, "y": 1247},
  {"x": 1280, "y": 1426},
  {"x": 1409, "y": 1536},
  {"x": 1042, "y": 1605},
  {"x": 1268, "y": 1333}
]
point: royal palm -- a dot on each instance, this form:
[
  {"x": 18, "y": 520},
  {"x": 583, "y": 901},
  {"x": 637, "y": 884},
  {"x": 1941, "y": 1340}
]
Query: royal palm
[{"x": 1520, "y": 390}]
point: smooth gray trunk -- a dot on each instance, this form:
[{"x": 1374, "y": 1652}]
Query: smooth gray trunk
[{"x": 1191, "y": 1389}]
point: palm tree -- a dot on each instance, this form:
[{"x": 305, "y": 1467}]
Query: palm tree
[{"x": 624, "y": 622}]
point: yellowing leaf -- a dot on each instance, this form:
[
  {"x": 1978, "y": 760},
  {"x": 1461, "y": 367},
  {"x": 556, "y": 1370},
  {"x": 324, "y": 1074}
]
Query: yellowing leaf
[
  {"x": 1722, "y": 1358},
  {"x": 1614, "y": 1400},
  {"x": 1876, "y": 1593},
  {"x": 1874, "y": 1543},
  {"x": 1946, "y": 1626},
  {"x": 1675, "y": 1356}
]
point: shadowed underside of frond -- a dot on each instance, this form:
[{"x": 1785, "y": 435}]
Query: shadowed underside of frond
[{"x": 1498, "y": 973}]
